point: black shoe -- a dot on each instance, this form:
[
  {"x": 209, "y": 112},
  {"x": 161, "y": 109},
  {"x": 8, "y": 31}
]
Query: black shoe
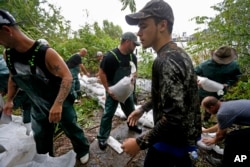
[
  {"x": 135, "y": 129},
  {"x": 102, "y": 145}
]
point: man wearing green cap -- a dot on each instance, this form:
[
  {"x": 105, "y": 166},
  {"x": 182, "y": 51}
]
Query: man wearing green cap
[
  {"x": 114, "y": 66},
  {"x": 175, "y": 101}
]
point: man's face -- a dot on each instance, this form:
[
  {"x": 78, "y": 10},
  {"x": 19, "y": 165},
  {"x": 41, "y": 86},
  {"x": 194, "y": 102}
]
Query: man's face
[
  {"x": 147, "y": 32},
  {"x": 210, "y": 109},
  {"x": 99, "y": 58},
  {"x": 131, "y": 46},
  {"x": 4, "y": 36}
]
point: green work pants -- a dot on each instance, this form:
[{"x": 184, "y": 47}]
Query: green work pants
[{"x": 109, "y": 111}]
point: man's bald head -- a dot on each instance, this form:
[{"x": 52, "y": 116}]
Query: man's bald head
[{"x": 83, "y": 52}]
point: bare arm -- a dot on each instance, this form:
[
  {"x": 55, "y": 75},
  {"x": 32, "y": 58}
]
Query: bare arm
[
  {"x": 12, "y": 90},
  {"x": 220, "y": 134},
  {"x": 57, "y": 66},
  {"x": 84, "y": 70},
  {"x": 104, "y": 82},
  {"x": 211, "y": 129},
  {"x": 103, "y": 79}
]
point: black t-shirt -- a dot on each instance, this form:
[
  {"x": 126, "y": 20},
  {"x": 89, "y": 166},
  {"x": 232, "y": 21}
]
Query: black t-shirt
[
  {"x": 74, "y": 61},
  {"x": 110, "y": 64}
]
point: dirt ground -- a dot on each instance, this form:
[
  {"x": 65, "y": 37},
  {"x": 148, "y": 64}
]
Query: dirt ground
[
  {"x": 108, "y": 158},
  {"x": 63, "y": 145}
]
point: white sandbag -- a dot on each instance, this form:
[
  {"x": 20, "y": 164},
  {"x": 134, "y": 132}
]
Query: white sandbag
[
  {"x": 202, "y": 145},
  {"x": 133, "y": 67},
  {"x": 95, "y": 91},
  {"x": 143, "y": 84},
  {"x": 218, "y": 150},
  {"x": 19, "y": 148},
  {"x": 122, "y": 89},
  {"x": 147, "y": 119},
  {"x": 99, "y": 92},
  {"x": 44, "y": 160},
  {"x": 119, "y": 112},
  {"x": 210, "y": 85},
  {"x": 115, "y": 144}
]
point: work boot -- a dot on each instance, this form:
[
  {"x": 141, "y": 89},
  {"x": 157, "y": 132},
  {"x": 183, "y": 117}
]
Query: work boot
[
  {"x": 102, "y": 144},
  {"x": 135, "y": 129}
]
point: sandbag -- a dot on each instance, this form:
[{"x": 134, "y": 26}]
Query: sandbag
[
  {"x": 44, "y": 160},
  {"x": 123, "y": 89},
  {"x": 19, "y": 150},
  {"x": 210, "y": 85}
]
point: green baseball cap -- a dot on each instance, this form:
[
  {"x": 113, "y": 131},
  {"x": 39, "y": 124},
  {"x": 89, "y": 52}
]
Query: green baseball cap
[{"x": 131, "y": 36}]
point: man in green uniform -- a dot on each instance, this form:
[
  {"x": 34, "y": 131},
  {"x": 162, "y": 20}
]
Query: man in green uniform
[
  {"x": 43, "y": 75},
  {"x": 114, "y": 66}
]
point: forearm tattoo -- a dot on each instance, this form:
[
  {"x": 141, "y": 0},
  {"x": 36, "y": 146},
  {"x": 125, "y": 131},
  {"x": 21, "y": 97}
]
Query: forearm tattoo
[{"x": 64, "y": 90}]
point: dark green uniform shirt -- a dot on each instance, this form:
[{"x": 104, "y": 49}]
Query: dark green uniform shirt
[{"x": 223, "y": 73}]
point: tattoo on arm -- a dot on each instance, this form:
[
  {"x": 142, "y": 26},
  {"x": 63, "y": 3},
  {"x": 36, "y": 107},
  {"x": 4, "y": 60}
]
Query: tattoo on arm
[
  {"x": 56, "y": 68},
  {"x": 64, "y": 90}
]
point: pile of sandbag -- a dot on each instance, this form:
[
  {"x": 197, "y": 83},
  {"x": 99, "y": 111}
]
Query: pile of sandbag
[
  {"x": 93, "y": 88},
  {"x": 18, "y": 149}
]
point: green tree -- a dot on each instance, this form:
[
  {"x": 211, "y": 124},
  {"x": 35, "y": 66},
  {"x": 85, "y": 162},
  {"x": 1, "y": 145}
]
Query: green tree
[
  {"x": 130, "y": 3},
  {"x": 112, "y": 30},
  {"x": 229, "y": 27},
  {"x": 40, "y": 19}
]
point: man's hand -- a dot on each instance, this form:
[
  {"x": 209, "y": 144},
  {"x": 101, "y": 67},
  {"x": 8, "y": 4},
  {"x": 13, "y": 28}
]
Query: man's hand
[
  {"x": 7, "y": 109},
  {"x": 130, "y": 146},
  {"x": 208, "y": 141},
  {"x": 134, "y": 117},
  {"x": 55, "y": 113},
  {"x": 111, "y": 94}
]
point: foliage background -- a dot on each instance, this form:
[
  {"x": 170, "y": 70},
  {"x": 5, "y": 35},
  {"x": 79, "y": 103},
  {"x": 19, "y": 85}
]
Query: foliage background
[{"x": 230, "y": 27}]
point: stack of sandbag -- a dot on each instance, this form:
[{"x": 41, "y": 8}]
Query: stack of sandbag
[
  {"x": 93, "y": 88},
  {"x": 213, "y": 147},
  {"x": 19, "y": 150}
]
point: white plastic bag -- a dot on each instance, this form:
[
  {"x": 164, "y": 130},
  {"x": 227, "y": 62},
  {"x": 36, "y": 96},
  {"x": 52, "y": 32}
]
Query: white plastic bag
[
  {"x": 123, "y": 89},
  {"x": 210, "y": 85}
]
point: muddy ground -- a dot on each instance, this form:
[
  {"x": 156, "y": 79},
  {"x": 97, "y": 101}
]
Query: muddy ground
[
  {"x": 99, "y": 158},
  {"x": 109, "y": 157}
]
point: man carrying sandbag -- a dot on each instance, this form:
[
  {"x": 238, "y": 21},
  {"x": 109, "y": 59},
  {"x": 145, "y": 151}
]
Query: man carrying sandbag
[
  {"x": 222, "y": 68},
  {"x": 115, "y": 66}
]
